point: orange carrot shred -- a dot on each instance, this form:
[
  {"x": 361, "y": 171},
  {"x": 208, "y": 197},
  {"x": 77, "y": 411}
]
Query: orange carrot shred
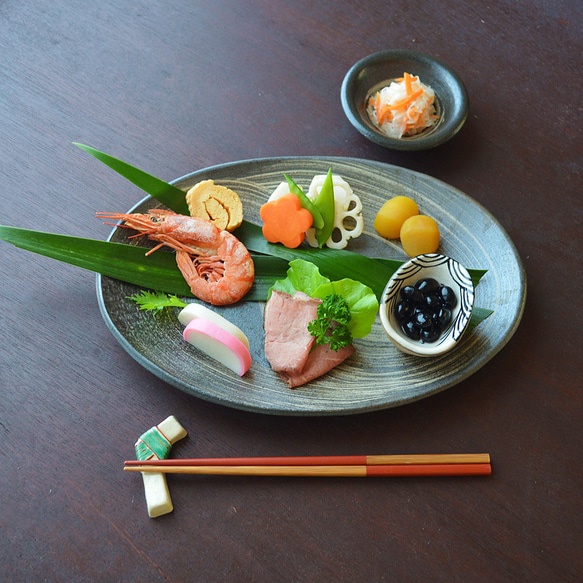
[
  {"x": 384, "y": 114},
  {"x": 408, "y": 114},
  {"x": 413, "y": 115},
  {"x": 408, "y": 88},
  {"x": 407, "y": 100}
]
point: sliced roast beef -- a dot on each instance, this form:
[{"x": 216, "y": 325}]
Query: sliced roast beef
[
  {"x": 320, "y": 361},
  {"x": 287, "y": 340}
]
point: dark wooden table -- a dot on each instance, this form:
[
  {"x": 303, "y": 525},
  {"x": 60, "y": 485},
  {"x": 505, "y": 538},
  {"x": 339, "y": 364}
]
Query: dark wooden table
[{"x": 174, "y": 87}]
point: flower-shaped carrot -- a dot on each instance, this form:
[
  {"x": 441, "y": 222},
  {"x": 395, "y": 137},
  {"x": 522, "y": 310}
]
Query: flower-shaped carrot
[{"x": 285, "y": 221}]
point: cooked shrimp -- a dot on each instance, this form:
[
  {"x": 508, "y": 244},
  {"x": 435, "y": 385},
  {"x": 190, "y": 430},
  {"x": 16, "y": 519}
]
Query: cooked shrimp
[{"x": 214, "y": 263}]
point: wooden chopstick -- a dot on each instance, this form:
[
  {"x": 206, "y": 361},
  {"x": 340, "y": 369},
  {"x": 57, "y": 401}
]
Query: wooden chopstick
[
  {"x": 342, "y": 460},
  {"x": 477, "y": 464},
  {"x": 394, "y": 470}
]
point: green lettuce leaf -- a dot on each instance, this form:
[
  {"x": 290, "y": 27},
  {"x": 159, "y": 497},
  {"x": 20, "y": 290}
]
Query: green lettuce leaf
[
  {"x": 301, "y": 276},
  {"x": 305, "y": 277}
]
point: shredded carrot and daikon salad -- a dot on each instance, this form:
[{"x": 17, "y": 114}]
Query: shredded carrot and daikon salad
[{"x": 403, "y": 108}]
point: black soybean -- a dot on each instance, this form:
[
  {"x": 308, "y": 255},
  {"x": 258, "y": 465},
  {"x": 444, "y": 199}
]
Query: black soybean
[
  {"x": 443, "y": 317},
  {"x": 411, "y": 330},
  {"x": 448, "y": 298},
  {"x": 411, "y": 293},
  {"x": 422, "y": 318},
  {"x": 403, "y": 310},
  {"x": 427, "y": 286},
  {"x": 433, "y": 301},
  {"x": 425, "y": 309},
  {"x": 407, "y": 292},
  {"x": 430, "y": 334}
]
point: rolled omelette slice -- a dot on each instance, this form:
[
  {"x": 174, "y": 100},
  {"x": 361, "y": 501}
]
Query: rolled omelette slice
[{"x": 215, "y": 203}]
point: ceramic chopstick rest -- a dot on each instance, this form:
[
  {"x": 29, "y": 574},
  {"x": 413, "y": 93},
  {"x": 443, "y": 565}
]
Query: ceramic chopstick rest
[{"x": 152, "y": 445}]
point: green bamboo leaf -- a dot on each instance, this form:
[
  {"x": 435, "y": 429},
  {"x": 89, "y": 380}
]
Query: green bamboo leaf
[
  {"x": 125, "y": 262},
  {"x": 335, "y": 264},
  {"x": 478, "y": 316},
  {"x": 129, "y": 263},
  {"x": 332, "y": 262},
  {"x": 168, "y": 194},
  {"x": 267, "y": 270},
  {"x": 392, "y": 264},
  {"x": 159, "y": 271}
]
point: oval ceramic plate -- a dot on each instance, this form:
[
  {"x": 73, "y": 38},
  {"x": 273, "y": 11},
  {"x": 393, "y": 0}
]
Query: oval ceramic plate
[{"x": 378, "y": 375}]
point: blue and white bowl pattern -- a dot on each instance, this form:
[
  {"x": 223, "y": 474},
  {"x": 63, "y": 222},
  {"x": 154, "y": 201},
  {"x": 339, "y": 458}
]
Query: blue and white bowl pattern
[{"x": 448, "y": 272}]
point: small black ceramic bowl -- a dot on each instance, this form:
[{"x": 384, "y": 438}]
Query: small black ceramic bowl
[{"x": 372, "y": 73}]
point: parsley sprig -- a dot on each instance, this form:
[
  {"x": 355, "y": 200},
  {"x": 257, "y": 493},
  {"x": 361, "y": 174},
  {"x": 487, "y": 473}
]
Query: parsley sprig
[
  {"x": 156, "y": 301},
  {"x": 331, "y": 325}
]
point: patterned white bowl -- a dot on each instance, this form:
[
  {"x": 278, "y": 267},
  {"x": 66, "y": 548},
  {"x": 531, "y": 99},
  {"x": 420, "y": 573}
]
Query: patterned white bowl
[{"x": 446, "y": 271}]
